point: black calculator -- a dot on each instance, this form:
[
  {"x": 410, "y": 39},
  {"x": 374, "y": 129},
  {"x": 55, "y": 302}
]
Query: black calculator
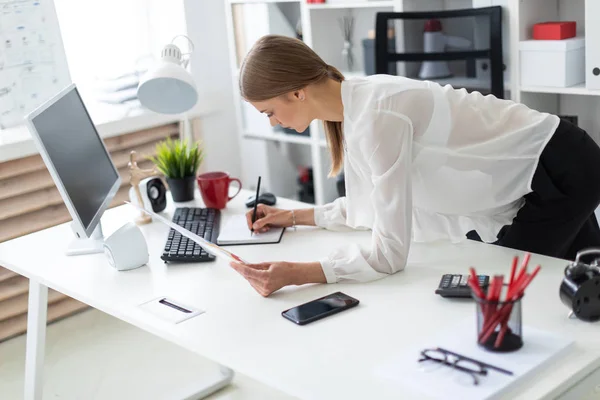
[{"x": 457, "y": 285}]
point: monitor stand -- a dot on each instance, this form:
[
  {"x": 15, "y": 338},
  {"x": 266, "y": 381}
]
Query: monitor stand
[{"x": 93, "y": 244}]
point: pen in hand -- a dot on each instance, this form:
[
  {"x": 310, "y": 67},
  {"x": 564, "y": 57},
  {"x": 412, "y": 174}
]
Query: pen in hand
[{"x": 255, "y": 206}]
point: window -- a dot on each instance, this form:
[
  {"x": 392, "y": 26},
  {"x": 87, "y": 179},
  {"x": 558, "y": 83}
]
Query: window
[{"x": 109, "y": 42}]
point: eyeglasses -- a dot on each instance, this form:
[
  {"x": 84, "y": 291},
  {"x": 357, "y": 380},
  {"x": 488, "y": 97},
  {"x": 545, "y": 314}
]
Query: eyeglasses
[{"x": 459, "y": 362}]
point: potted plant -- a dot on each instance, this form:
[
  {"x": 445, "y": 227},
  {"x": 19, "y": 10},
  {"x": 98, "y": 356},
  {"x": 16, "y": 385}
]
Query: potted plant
[{"x": 179, "y": 162}]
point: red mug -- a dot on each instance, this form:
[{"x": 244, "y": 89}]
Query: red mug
[{"x": 214, "y": 188}]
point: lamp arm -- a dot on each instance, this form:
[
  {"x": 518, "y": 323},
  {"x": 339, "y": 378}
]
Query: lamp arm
[{"x": 191, "y": 44}]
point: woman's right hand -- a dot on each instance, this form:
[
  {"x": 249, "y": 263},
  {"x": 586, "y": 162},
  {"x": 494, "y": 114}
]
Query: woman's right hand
[{"x": 267, "y": 217}]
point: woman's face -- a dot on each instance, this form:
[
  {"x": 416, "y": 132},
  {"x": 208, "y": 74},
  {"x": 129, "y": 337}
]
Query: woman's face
[{"x": 289, "y": 110}]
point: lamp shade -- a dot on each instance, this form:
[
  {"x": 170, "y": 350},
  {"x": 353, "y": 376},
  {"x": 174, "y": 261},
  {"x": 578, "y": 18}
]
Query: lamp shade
[{"x": 168, "y": 88}]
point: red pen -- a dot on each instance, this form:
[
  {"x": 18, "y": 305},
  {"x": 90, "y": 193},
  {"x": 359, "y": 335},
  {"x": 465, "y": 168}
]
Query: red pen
[
  {"x": 475, "y": 280},
  {"x": 503, "y": 314},
  {"x": 475, "y": 287},
  {"x": 513, "y": 269}
]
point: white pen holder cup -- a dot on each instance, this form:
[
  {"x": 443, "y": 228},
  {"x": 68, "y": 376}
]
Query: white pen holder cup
[{"x": 126, "y": 248}]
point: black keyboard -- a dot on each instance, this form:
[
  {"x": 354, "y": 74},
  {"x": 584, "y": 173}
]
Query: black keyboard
[{"x": 201, "y": 221}]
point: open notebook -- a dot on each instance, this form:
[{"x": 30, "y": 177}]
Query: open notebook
[{"x": 235, "y": 231}]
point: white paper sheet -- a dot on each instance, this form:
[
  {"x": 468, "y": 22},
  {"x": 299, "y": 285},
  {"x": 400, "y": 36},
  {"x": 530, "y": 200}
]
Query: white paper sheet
[
  {"x": 206, "y": 245},
  {"x": 540, "y": 348},
  {"x": 236, "y": 231}
]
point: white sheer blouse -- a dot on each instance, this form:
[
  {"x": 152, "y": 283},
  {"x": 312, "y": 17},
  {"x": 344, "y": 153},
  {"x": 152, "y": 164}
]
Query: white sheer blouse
[{"x": 424, "y": 162}]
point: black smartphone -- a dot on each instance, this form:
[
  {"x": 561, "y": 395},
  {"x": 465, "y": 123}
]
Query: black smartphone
[{"x": 320, "y": 308}]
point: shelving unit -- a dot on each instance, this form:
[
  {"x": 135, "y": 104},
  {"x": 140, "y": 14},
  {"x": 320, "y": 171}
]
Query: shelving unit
[
  {"x": 579, "y": 90},
  {"x": 279, "y": 137},
  {"x": 261, "y": 143},
  {"x": 262, "y": 1},
  {"x": 351, "y": 4},
  {"x": 578, "y": 100},
  {"x": 454, "y": 81},
  {"x": 320, "y": 30}
]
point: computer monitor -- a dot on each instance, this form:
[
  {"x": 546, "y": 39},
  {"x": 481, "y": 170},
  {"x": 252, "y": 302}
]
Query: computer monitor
[{"x": 79, "y": 164}]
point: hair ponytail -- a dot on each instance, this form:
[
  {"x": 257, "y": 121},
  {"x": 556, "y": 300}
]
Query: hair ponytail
[
  {"x": 334, "y": 132},
  {"x": 277, "y": 65}
]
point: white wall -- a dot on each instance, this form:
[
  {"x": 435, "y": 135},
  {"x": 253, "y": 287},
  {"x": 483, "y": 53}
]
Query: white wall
[{"x": 205, "y": 20}]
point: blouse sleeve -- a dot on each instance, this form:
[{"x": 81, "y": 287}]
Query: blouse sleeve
[
  {"x": 332, "y": 216},
  {"x": 387, "y": 146}
]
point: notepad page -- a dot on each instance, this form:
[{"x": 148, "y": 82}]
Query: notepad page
[{"x": 235, "y": 231}]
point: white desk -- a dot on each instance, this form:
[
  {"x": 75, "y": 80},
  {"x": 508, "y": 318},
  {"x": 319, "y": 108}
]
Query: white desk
[{"x": 331, "y": 359}]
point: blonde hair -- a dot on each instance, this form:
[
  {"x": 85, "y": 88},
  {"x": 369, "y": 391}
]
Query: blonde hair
[{"x": 277, "y": 65}]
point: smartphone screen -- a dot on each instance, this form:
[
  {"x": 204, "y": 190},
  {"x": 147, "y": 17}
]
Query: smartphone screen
[{"x": 320, "y": 308}]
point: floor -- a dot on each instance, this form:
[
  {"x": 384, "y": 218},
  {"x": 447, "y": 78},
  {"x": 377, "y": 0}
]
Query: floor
[{"x": 94, "y": 356}]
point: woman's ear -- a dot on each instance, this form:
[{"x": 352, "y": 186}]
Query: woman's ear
[{"x": 300, "y": 94}]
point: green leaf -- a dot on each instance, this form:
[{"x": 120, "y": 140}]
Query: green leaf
[{"x": 177, "y": 158}]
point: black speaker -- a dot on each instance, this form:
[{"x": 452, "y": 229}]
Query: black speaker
[{"x": 154, "y": 194}]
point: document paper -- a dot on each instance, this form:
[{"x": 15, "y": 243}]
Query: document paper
[
  {"x": 206, "y": 245},
  {"x": 540, "y": 349}
]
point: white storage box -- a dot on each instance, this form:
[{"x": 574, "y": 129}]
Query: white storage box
[{"x": 557, "y": 63}]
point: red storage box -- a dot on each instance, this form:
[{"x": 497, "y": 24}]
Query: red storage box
[{"x": 554, "y": 30}]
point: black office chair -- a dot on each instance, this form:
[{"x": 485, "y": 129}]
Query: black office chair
[
  {"x": 383, "y": 56},
  {"x": 385, "y": 59}
]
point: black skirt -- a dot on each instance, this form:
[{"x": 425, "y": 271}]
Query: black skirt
[{"x": 558, "y": 217}]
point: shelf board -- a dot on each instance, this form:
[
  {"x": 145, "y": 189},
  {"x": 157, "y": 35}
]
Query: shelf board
[
  {"x": 279, "y": 137},
  {"x": 577, "y": 89},
  {"x": 351, "y": 4},
  {"x": 455, "y": 81},
  {"x": 262, "y": 1},
  {"x": 470, "y": 83}
]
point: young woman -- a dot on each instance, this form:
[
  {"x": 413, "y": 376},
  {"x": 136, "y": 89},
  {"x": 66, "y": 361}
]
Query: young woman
[{"x": 422, "y": 162}]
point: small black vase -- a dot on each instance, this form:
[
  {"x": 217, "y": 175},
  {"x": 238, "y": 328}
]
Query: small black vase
[{"x": 182, "y": 189}]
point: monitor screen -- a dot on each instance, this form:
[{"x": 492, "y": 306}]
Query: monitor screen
[{"x": 77, "y": 153}]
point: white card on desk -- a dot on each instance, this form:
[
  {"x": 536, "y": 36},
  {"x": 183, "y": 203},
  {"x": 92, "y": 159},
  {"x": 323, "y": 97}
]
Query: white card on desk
[
  {"x": 235, "y": 231},
  {"x": 540, "y": 349},
  {"x": 170, "y": 310}
]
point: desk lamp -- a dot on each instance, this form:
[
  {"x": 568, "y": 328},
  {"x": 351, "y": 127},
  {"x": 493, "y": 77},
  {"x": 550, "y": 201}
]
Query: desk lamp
[{"x": 168, "y": 88}]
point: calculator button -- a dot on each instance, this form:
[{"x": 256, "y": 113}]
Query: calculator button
[
  {"x": 463, "y": 280},
  {"x": 455, "y": 280}
]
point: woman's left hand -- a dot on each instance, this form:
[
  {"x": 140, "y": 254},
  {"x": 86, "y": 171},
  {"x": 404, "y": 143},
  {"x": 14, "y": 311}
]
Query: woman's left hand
[
  {"x": 266, "y": 277},
  {"x": 269, "y": 277}
]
